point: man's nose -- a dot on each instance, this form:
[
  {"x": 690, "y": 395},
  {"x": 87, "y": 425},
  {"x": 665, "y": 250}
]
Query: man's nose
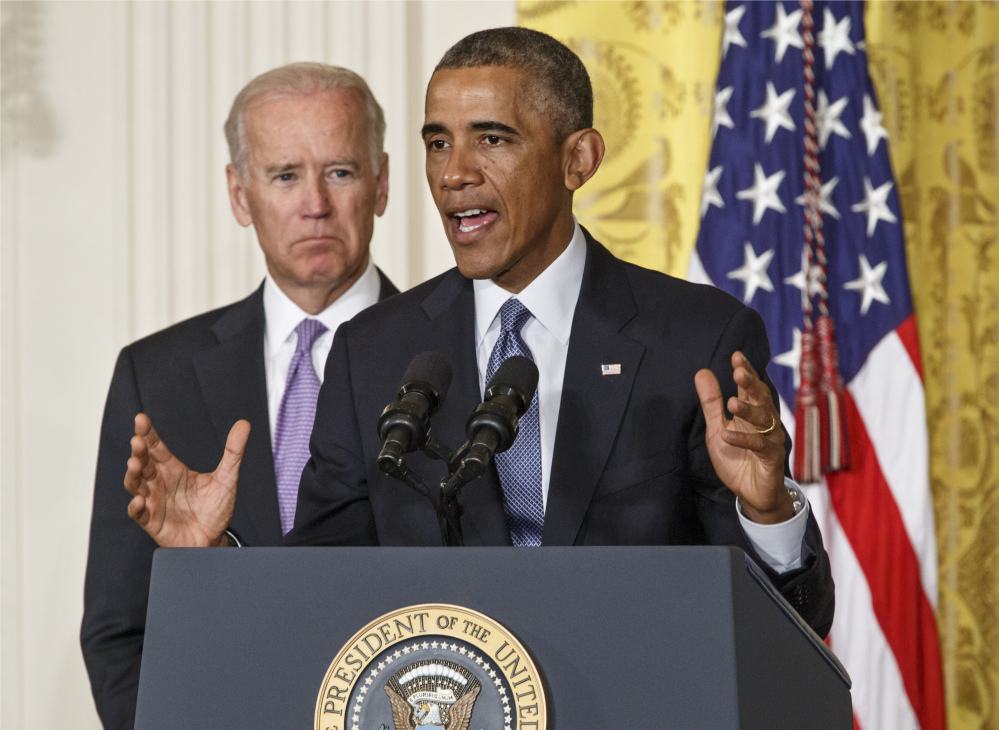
[
  {"x": 317, "y": 202},
  {"x": 462, "y": 168}
]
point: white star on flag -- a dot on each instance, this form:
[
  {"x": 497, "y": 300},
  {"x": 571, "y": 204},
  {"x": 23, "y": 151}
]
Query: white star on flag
[
  {"x": 774, "y": 111},
  {"x": 827, "y": 118},
  {"x": 721, "y": 116},
  {"x": 825, "y": 198},
  {"x": 875, "y": 203},
  {"x": 784, "y": 32},
  {"x": 731, "y": 35},
  {"x": 835, "y": 37},
  {"x": 753, "y": 272},
  {"x": 709, "y": 193},
  {"x": 869, "y": 282},
  {"x": 792, "y": 358},
  {"x": 807, "y": 279},
  {"x": 870, "y": 123},
  {"x": 763, "y": 193}
]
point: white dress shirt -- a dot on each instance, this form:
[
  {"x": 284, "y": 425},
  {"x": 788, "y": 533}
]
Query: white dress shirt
[
  {"x": 280, "y": 339},
  {"x": 551, "y": 298}
]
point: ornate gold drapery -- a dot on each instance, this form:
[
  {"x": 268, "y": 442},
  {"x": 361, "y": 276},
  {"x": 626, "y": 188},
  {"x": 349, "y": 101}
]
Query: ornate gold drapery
[{"x": 935, "y": 66}]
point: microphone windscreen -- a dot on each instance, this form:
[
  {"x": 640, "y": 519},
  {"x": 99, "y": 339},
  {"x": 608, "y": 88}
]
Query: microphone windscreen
[
  {"x": 519, "y": 372},
  {"x": 430, "y": 367}
]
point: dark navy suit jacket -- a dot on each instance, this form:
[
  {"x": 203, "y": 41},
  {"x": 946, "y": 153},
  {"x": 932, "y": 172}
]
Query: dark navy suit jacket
[
  {"x": 630, "y": 466},
  {"x": 194, "y": 380}
]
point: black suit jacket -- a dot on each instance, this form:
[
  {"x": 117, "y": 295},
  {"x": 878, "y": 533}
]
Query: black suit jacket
[
  {"x": 630, "y": 466},
  {"x": 194, "y": 380}
]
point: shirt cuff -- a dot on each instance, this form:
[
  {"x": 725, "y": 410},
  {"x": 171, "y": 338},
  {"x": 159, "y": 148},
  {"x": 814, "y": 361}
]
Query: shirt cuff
[{"x": 780, "y": 544}]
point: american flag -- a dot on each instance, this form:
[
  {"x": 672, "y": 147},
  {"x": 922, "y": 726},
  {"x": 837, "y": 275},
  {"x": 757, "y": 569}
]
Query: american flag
[{"x": 876, "y": 515}]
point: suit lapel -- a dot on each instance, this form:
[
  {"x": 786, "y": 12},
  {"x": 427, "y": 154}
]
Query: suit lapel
[
  {"x": 451, "y": 308},
  {"x": 592, "y": 403},
  {"x": 234, "y": 386}
]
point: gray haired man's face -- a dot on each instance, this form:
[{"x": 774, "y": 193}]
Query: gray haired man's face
[{"x": 310, "y": 190}]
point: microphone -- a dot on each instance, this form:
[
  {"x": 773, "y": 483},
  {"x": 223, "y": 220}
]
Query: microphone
[
  {"x": 494, "y": 423},
  {"x": 405, "y": 425}
]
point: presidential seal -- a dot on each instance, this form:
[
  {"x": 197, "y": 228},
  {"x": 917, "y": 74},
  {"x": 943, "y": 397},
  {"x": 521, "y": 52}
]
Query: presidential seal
[{"x": 432, "y": 666}]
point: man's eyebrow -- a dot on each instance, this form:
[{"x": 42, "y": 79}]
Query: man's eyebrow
[
  {"x": 346, "y": 162},
  {"x": 433, "y": 128},
  {"x": 490, "y": 126},
  {"x": 281, "y": 169}
]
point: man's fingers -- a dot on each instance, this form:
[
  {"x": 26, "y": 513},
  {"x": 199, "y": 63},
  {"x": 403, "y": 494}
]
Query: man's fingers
[
  {"x": 157, "y": 449},
  {"x": 747, "y": 440},
  {"x": 235, "y": 447},
  {"x": 758, "y": 417},
  {"x": 710, "y": 395},
  {"x": 751, "y": 387},
  {"x": 137, "y": 510},
  {"x": 135, "y": 479}
]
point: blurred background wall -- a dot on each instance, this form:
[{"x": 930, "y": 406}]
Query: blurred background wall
[{"x": 116, "y": 223}]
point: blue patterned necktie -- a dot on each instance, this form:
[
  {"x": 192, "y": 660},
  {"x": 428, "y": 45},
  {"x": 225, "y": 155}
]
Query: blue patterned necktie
[
  {"x": 295, "y": 419},
  {"x": 519, "y": 466}
]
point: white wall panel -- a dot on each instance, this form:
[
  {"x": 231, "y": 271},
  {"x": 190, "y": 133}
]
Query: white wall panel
[{"x": 116, "y": 223}]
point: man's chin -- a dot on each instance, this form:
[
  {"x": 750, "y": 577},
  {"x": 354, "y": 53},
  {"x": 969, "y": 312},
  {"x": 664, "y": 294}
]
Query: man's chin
[{"x": 477, "y": 271}]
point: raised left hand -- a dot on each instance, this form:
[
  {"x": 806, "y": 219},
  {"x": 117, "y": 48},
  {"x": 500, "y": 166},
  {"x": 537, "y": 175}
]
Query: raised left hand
[{"x": 747, "y": 460}]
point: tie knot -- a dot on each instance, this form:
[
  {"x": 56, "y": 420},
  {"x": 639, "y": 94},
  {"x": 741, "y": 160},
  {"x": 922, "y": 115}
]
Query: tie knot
[
  {"x": 513, "y": 315},
  {"x": 308, "y": 330}
]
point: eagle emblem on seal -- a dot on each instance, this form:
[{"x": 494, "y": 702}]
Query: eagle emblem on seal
[{"x": 432, "y": 694}]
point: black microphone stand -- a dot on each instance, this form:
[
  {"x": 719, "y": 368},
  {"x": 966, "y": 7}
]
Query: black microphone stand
[
  {"x": 446, "y": 501},
  {"x": 492, "y": 428}
]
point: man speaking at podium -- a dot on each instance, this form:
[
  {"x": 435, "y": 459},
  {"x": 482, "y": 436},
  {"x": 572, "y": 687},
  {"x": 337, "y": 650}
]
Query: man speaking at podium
[{"x": 627, "y": 441}]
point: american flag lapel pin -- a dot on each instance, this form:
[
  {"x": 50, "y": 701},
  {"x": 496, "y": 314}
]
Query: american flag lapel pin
[{"x": 614, "y": 369}]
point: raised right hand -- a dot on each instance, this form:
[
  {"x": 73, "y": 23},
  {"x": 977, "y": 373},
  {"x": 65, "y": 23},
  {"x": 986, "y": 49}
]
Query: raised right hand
[{"x": 179, "y": 507}]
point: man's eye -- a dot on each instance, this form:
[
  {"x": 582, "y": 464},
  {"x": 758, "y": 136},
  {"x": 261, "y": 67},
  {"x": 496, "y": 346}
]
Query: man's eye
[
  {"x": 493, "y": 139},
  {"x": 340, "y": 173},
  {"x": 437, "y": 144},
  {"x": 286, "y": 177}
]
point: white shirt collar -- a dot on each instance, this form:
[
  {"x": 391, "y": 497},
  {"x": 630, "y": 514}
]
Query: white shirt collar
[
  {"x": 551, "y": 297},
  {"x": 283, "y": 315}
]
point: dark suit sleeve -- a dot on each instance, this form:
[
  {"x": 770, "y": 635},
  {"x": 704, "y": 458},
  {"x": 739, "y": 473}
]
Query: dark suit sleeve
[
  {"x": 810, "y": 588},
  {"x": 333, "y": 505},
  {"x": 118, "y": 564}
]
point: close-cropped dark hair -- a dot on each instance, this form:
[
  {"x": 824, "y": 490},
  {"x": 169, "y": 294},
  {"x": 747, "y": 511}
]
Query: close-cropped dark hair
[{"x": 559, "y": 85}]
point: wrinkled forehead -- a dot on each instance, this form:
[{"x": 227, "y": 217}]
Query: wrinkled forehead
[{"x": 324, "y": 120}]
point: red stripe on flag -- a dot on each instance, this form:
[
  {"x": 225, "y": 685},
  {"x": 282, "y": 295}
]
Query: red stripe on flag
[
  {"x": 910, "y": 340},
  {"x": 871, "y": 521}
]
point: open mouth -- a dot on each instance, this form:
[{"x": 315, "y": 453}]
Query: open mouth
[{"x": 474, "y": 218}]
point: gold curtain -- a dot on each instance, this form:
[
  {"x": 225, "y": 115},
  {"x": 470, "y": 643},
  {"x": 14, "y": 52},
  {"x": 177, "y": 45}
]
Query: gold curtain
[
  {"x": 935, "y": 67},
  {"x": 936, "y": 70}
]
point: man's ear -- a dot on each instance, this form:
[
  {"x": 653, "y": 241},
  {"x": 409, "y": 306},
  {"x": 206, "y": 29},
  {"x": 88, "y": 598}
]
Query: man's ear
[
  {"x": 381, "y": 197},
  {"x": 582, "y": 152},
  {"x": 237, "y": 196}
]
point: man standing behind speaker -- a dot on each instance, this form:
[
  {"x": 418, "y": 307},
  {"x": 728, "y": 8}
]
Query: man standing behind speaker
[{"x": 309, "y": 173}]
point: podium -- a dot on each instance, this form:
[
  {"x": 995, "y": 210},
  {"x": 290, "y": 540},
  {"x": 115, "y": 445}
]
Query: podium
[{"x": 624, "y": 637}]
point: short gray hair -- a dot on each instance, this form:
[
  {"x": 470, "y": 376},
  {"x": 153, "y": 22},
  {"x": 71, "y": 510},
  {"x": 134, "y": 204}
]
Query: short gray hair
[
  {"x": 561, "y": 89},
  {"x": 302, "y": 79}
]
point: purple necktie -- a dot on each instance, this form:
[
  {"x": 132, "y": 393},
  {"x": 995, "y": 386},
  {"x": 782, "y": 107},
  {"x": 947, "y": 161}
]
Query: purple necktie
[{"x": 295, "y": 420}]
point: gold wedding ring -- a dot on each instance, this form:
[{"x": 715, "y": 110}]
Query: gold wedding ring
[{"x": 773, "y": 425}]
